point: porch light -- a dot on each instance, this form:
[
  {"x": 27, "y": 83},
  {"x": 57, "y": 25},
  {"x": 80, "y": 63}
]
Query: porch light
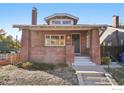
[{"x": 68, "y": 37}]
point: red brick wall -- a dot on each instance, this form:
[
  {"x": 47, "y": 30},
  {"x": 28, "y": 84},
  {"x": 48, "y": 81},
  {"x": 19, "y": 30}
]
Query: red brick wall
[
  {"x": 69, "y": 54},
  {"x": 46, "y": 54},
  {"x": 95, "y": 46},
  {"x": 83, "y": 43},
  {"x": 24, "y": 45},
  {"x": 41, "y": 53}
]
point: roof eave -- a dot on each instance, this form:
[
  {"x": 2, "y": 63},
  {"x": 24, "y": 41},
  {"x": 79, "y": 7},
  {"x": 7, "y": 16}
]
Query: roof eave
[{"x": 64, "y": 14}]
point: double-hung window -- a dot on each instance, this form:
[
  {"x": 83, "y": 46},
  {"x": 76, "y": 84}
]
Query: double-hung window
[{"x": 54, "y": 40}]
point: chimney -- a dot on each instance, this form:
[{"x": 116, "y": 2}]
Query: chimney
[
  {"x": 34, "y": 16},
  {"x": 115, "y": 21}
]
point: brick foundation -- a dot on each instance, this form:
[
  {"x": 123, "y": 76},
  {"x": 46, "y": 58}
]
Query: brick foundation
[{"x": 48, "y": 54}]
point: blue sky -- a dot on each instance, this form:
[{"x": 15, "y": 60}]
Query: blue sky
[{"x": 88, "y": 14}]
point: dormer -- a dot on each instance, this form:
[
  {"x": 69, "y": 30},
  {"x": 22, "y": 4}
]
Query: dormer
[{"x": 61, "y": 19}]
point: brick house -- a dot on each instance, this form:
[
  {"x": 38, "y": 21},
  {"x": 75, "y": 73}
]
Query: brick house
[
  {"x": 115, "y": 37},
  {"x": 59, "y": 40}
]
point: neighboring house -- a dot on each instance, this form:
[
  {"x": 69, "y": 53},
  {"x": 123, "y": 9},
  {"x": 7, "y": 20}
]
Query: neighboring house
[
  {"x": 110, "y": 40},
  {"x": 115, "y": 34},
  {"x": 60, "y": 39}
]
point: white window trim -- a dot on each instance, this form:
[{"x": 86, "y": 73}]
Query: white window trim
[
  {"x": 122, "y": 40},
  {"x": 109, "y": 44},
  {"x": 61, "y": 21},
  {"x": 50, "y": 39}
]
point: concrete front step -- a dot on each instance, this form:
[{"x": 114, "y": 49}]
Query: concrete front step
[
  {"x": 89, "y": 69},
  {"x": 89, "y": 73},
  {"x": 83, "y": 64},
  {"x": 81, "y": 57},
  {"x": 82, "y": 60},
  {"x": 96, "y": 83},
  {"x": 92, "y": 80},
  {"x": 96, "y": 79}
]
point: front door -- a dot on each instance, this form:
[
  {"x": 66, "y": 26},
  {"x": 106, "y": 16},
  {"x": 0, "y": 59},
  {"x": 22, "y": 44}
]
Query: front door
[{"x": 76, "y": 43}]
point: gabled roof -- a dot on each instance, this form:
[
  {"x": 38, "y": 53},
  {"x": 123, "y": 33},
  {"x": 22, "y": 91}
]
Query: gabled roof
[{"x": 61, "y": 15}]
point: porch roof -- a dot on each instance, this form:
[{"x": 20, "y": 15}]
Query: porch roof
[{"x": 55, "y": 28}]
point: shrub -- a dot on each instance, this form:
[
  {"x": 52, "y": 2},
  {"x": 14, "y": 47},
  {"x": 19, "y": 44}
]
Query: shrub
[
  {"x": 61, "y": 65},
  {"x": 105, "y": 60},
  {"x": 45, "y": 66},
  {"x": 42, "y": 66},
  {"x": 18, "y": 65},
  {"x": 25, "y": 65}
]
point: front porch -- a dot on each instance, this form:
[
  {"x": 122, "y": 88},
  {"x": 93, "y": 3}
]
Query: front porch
[
  {"x": 84, "y": 48},
  {"x": 80, "y": 40}
]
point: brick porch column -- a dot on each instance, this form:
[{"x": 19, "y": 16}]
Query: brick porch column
[
  {"x": 69, "y": 50},
  {"x": 25, "y": 45},
  {"x": 95, "y": 47},
  {"x": 69, "y": 54}
]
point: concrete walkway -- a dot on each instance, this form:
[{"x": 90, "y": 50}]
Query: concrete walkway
[
  {"x": 93, "y": 75},
  {"x": 89, "y": 73}
]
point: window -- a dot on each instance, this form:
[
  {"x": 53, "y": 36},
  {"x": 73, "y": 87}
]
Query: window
[
  {"x": 109, "y": 43},
  {"x": 54, "y": 40},
  {"x": 66, "y": 22},
  {"x": 88, "y": 40},
  {"x": 122, "y": 41},
  {"x": 56, "y": 22}
]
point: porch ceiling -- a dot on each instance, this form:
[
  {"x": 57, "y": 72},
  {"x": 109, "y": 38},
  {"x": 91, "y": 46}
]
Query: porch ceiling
[{"x": 56, "y": 28}]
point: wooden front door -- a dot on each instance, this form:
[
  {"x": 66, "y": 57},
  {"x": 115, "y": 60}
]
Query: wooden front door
[{"x": 76, "y": 43}]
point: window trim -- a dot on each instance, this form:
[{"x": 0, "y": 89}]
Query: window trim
[{"x": 54, "y": 35}]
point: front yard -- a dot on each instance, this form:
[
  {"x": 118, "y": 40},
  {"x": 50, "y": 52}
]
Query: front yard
[{"x": 12, "y": 75}]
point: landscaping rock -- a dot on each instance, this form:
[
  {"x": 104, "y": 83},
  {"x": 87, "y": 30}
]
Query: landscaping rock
[{"x": 11, "y": 75}]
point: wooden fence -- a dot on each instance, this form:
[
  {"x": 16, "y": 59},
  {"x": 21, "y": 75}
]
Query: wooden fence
[
  {"x": 7, "y": 58},
  {"x": 114, "y": 51}
]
